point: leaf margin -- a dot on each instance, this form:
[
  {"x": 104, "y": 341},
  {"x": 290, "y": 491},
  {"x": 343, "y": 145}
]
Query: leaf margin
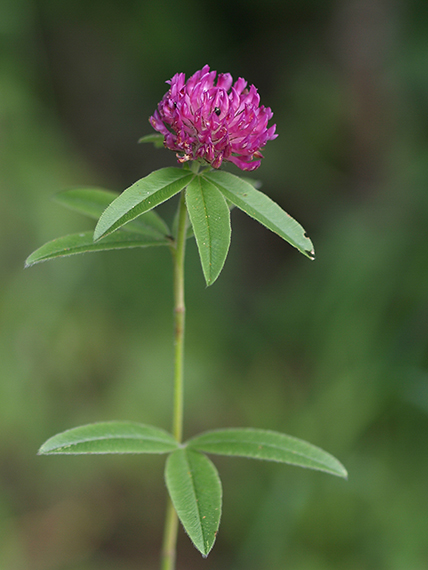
[
  {"x": 203, "y": 542},
  {"x": 331, "y": 465},
  {"x": 64, "y": 442},
  {"x": 224, "y": 182},
  {"x": 85, "y": 244},
  {"x": 213, "y": 236},
  {"x": 142, "y": 196}
]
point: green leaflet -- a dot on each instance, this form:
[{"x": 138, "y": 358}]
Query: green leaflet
[
  {"x": 141, "y": 197},
  {"x": 195, "y": 490},
  {"x": 93, "y": 201},
  {"x": 210, "y": 218},
  {"x": 262, "y": 208},
  {"x": 83, "y": 243},
  {"x": 110, "y": 437},
  {"x": 268, "y": 445}
]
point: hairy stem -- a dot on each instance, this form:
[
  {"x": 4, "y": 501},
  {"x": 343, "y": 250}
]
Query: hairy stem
[{"x": 178, "y": 251}]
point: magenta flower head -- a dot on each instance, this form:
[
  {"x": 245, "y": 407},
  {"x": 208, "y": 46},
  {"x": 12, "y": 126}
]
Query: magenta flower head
[{"x": 214, "y": 122}]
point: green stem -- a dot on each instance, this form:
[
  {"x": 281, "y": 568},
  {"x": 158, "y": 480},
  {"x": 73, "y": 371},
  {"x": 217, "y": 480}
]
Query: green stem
[
  {"x": 178, "y": 251},
  {"x": 169, "y": 545},
  {"x": 179, "y": 319}
]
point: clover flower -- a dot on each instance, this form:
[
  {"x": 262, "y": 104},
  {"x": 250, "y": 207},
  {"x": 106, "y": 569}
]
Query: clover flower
[{"x": 214, "y": 122}]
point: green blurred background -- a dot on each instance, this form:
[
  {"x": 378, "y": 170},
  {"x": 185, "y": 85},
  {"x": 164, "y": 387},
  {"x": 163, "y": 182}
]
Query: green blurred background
[{"x": 332, "y": 351}]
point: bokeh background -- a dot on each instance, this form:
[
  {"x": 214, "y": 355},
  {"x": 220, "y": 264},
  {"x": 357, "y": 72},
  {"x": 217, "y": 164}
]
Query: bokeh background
[{"x": 332, "y": 351}]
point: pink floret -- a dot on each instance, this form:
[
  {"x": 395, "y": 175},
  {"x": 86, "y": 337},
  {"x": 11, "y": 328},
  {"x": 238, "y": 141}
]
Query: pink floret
[{"x": 201, "y": 120}]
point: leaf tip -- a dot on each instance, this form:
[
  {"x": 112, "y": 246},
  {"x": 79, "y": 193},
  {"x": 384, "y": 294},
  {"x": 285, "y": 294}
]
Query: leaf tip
[
  {"x": 208, "y": 546},
  {"x": 339, "y": 470},
  {"x": 211, "y": 281},
  {"x": 98, "y": 234},
  {"x": 30, "y": 261},
  {"x": 100, "y": 230},
  {"x": 46, "y": 449}
]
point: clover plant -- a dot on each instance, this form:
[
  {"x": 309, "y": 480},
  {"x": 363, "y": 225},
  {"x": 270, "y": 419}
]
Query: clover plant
[{"x": 207, "y": 121}]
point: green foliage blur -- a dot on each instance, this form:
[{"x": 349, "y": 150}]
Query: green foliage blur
[{"x": 332, "y": 351}]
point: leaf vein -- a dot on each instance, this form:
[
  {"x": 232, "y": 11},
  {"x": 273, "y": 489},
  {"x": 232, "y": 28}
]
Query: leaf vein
[
  {"x": 195, "y": 497},
  {"x": 265, "y": 445}
]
